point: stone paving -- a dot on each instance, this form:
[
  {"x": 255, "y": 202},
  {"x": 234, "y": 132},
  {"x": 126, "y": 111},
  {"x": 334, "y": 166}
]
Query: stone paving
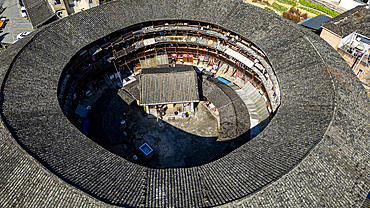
[
  {"x": 174, "y": 147},
  {"x": 182, "y": 142},
  {"x": 15, "y": 23},
  {"x": 203, "y": 123}
]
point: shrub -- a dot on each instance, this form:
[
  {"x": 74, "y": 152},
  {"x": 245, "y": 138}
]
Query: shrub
[
  {"x": 295, "y": 11},
  {"x": 292, "y": 10},
  {"x": 286, "y": 15},
  {"x": 290, "y": 16}
]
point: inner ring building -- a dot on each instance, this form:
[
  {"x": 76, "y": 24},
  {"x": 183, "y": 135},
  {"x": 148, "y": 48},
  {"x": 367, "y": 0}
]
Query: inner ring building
[
  {"x": 313, "y": 150},
  {"x": 135, "y": 60}
]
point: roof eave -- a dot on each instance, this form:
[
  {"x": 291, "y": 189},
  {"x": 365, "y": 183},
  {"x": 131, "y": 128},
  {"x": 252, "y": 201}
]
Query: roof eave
[{"x": 34, "y": 27}]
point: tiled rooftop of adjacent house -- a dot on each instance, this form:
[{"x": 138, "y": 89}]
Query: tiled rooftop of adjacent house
[
  {"x": 38, "y": 12},
  {"x": 354, "y": 20}
]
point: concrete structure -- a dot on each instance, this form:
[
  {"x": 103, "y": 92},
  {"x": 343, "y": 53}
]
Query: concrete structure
[
  {"x": 74, "y": 7},
  {"x": 340, "y": 28},
  {"x": 314, "y": 152},
  {"x": 349, "y": 4}
]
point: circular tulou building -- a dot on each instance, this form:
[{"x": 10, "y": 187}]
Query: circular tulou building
[{"x": 291, "y": 117}]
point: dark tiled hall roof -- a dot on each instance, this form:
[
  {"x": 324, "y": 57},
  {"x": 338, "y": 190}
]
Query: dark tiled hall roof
[
  {"x": 354, "y": 20},
  {"x": 178, "y": 68},
  {"x": 314, "y": 152},
  {"x": 168, "y": 85}
]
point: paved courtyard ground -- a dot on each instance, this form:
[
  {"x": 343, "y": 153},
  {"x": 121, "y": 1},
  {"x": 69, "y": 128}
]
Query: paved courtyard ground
[{"x": 181, "y": 143}]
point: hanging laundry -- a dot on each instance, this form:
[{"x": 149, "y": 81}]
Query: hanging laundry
[{"x": 358, "y": 72}]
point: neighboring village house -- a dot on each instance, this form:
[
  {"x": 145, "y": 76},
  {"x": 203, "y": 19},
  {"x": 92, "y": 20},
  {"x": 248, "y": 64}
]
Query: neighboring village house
[
  {"x": 41, "y": 12},
  {"x": 168, "y": 90},
  {"x": 349, "y": 4},
  {"x": 349, "y": 34},
  {"x": 314, "y": 23}
]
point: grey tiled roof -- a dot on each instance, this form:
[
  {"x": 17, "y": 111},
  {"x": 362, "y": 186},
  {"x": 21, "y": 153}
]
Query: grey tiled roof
[
  {"x": 30, "y": 3},
  {"x": 233, "y": 114},
  {"x": 38, "y": 11},
  {"x": 165, "y": 85},
  {"x": 354, "y": 20},
  {"x": 178, "y": 68},
  {"x": 313, "y": 153},
  {"x": 133, "y": 89}
]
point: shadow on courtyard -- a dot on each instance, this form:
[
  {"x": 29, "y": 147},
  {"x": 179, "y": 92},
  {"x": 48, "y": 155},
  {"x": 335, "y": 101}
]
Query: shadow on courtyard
[{"x": 172, "y": 147}]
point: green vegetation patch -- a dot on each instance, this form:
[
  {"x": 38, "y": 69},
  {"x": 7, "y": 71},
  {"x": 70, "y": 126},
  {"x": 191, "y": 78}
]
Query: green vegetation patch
[
  {"x": 268, "y": 9},
  {"x": 319, "y": 7},
  {"x": 104, "y": 1},
  {"x": 289, "y": 2},
  {"x": 279, "y": 7},
  {"x": 310, "y": 10}
]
